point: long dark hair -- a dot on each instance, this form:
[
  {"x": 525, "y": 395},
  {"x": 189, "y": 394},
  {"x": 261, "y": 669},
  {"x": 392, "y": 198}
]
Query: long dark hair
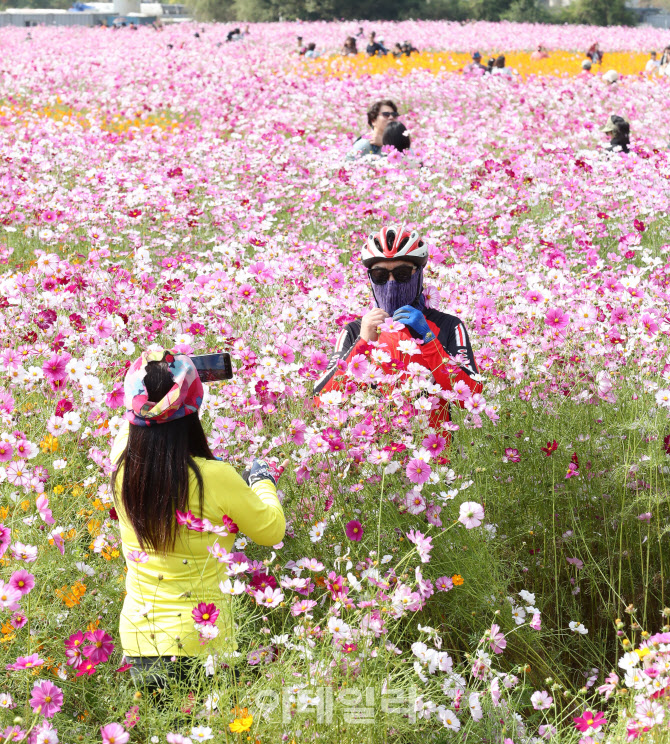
[{"x": 156, "y": 466}]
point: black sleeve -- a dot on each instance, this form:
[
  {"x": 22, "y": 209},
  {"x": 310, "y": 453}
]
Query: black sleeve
[
  {"x": 345, "y": 341},
  {"x": 459, "y": 343},
  {"x": 454, "y": 339}
]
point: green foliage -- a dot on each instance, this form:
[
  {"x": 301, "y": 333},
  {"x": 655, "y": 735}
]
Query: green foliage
[
  {"x": 600, "y": 13},
  {"x": 597, "y": 12},
  {"x": 529, "y": 11}
]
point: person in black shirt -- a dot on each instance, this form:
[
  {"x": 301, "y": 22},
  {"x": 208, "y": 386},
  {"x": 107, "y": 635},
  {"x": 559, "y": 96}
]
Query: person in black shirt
[{"x": 619, "y": 130}]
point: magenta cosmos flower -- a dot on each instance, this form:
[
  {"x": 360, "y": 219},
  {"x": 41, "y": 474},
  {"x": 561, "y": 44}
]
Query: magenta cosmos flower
[
  {"x": 589, "y": 720},
  {"x": 556, "y": 318},
  {"x": 354, "y": 530},
  {"x": 205, "y": 614},
  {"x": 99, "y": 647},
  {"x": 22, "y": 580},
  {"x": 418, "y": 471},
  {"x": 47, "y": 697}
]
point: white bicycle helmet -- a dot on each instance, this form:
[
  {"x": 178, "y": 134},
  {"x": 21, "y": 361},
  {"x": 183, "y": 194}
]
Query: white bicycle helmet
[{"x": 394, "y": 242}]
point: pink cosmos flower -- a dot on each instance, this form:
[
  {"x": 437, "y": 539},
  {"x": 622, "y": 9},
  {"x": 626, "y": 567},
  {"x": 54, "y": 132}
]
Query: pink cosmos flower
[
  {"x": 47, "y": 697},
  {"x": 444, "y": 584},
  {"x": 132, "y": 716},
  {"x": 6, "y": 451},
  {"x": 434, "y": 443},
  {"x": 74, "y": 649},
  {"x": 471, "y": 514},
  {"x": 26, "y": 662},
  {"x": 358, "y": 366},
  {"x": 319, "y": 361},
  {"x": 269, "y": 597},
  {"x": 189, "y": 521},
  {"x": 589, "y": 720},
  {"x": 114, "y": 733},
  {"x": 205, "y": 614},
  {"x": 415, "y": 502},
  {"x": 138, "y": 556},
  {"x": 497, "y": 640},
  {"x": 42, "y": 504},
  {"x": 354, "y": 530},
  {"x": 417, "y": 470},
  {"x": 286, "y": 353},
  {"x": 541, "y": 700},
  {"x": 99, "y": 647},
  {"x": 302, "y": 605},
  {"x": 18, "y": 473},
  {"x": 230, "y": 526},
  {"x": 9, "y": 596},
  {"x": 423, "y": 544},
  {"x": 18, "y": 620},
  {"x": 5, "y": 539},
  {"x": 536, "y": 622},
  {"x": 297, "y": 431},
  {"x": 26, "y": 553},
  {"x": 55, "y": 367},
  {"x": 556, "y": 318},
  {"x": 23, "y": 581},
  {"x": 114, "y": 399}
]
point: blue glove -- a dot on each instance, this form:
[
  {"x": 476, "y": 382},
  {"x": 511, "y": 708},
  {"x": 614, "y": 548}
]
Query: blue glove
[
  {"x": 410, "y": 316},
  {"x": 258, "y": 471}
]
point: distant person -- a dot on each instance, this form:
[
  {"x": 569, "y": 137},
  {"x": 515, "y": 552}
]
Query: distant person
[
  {"x": 476, "y": 64},
  {"x": 396, "y": 135},
  {"x": 618, "y": 129},
  {"x": 380, "y": 114},
  {"x": 539, "y": 53},
  {"x": 233, "y": 35},
  {"x": 360, "y": 34},
  {"x": 595, "y": 54},
  {"x": 490, "y": 64},
  {"x": 349, "y": 47},
  {"x": 397, "y": 50},
  {"x": 310, "y": 52},
  {"x": 408, "y": 48},
  {"x": 301, "y": 49},
  {"x": 586, "y": 65},
  {"x": 500, "y": 68},
  {"x": 374, "y": 47},
  {"x": 611, "y": 76},
  {"x": 652, "y": 66}
]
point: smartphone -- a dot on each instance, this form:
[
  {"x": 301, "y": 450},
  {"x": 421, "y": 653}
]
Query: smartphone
[{"x": 213, "y": 367}]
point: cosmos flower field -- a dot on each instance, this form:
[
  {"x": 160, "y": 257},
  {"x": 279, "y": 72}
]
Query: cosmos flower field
[{"x": 508, "y": 586}]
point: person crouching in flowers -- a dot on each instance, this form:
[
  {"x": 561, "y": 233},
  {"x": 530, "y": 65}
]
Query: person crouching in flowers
[
  {"x": 395, "y": 258},
  {"x": 174, "y": 502}
]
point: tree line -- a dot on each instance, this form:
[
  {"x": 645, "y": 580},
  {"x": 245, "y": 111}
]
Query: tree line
[{"x": 595, "y": 12}]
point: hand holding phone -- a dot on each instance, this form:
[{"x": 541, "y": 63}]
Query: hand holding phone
[{"x": 213, "y": 367}]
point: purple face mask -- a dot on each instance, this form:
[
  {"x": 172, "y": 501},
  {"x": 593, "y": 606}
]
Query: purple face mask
[{"x": 393, "y": 295}]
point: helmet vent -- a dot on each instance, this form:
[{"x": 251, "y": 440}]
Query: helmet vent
[
  {"x": 403, "y": 243},
  {"x": 390, "y": 238},
  {"x": 378, "y": 244}
]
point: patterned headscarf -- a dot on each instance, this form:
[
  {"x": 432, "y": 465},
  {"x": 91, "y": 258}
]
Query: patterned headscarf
[{"x": 184, "y": 398}]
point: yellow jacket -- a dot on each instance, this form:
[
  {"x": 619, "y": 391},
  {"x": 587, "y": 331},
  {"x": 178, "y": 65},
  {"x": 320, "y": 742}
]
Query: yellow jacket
[{"x": 156, "y": 619}]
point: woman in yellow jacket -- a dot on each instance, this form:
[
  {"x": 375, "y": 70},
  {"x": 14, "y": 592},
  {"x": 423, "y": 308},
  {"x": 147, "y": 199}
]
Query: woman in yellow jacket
[{"x": 175, "y": 501}]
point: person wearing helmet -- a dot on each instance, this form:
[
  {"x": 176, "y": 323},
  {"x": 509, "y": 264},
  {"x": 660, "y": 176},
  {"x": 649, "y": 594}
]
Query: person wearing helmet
[{"x": 394, "y": 258}]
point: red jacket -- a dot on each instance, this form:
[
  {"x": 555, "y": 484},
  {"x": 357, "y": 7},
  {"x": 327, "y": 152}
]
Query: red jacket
[{"x": 451, "y": 339}]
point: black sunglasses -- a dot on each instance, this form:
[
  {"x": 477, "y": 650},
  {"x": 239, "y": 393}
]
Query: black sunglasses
[
  {"x": 401, "y": 274},
  {"x": 389, "y": 114}
]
